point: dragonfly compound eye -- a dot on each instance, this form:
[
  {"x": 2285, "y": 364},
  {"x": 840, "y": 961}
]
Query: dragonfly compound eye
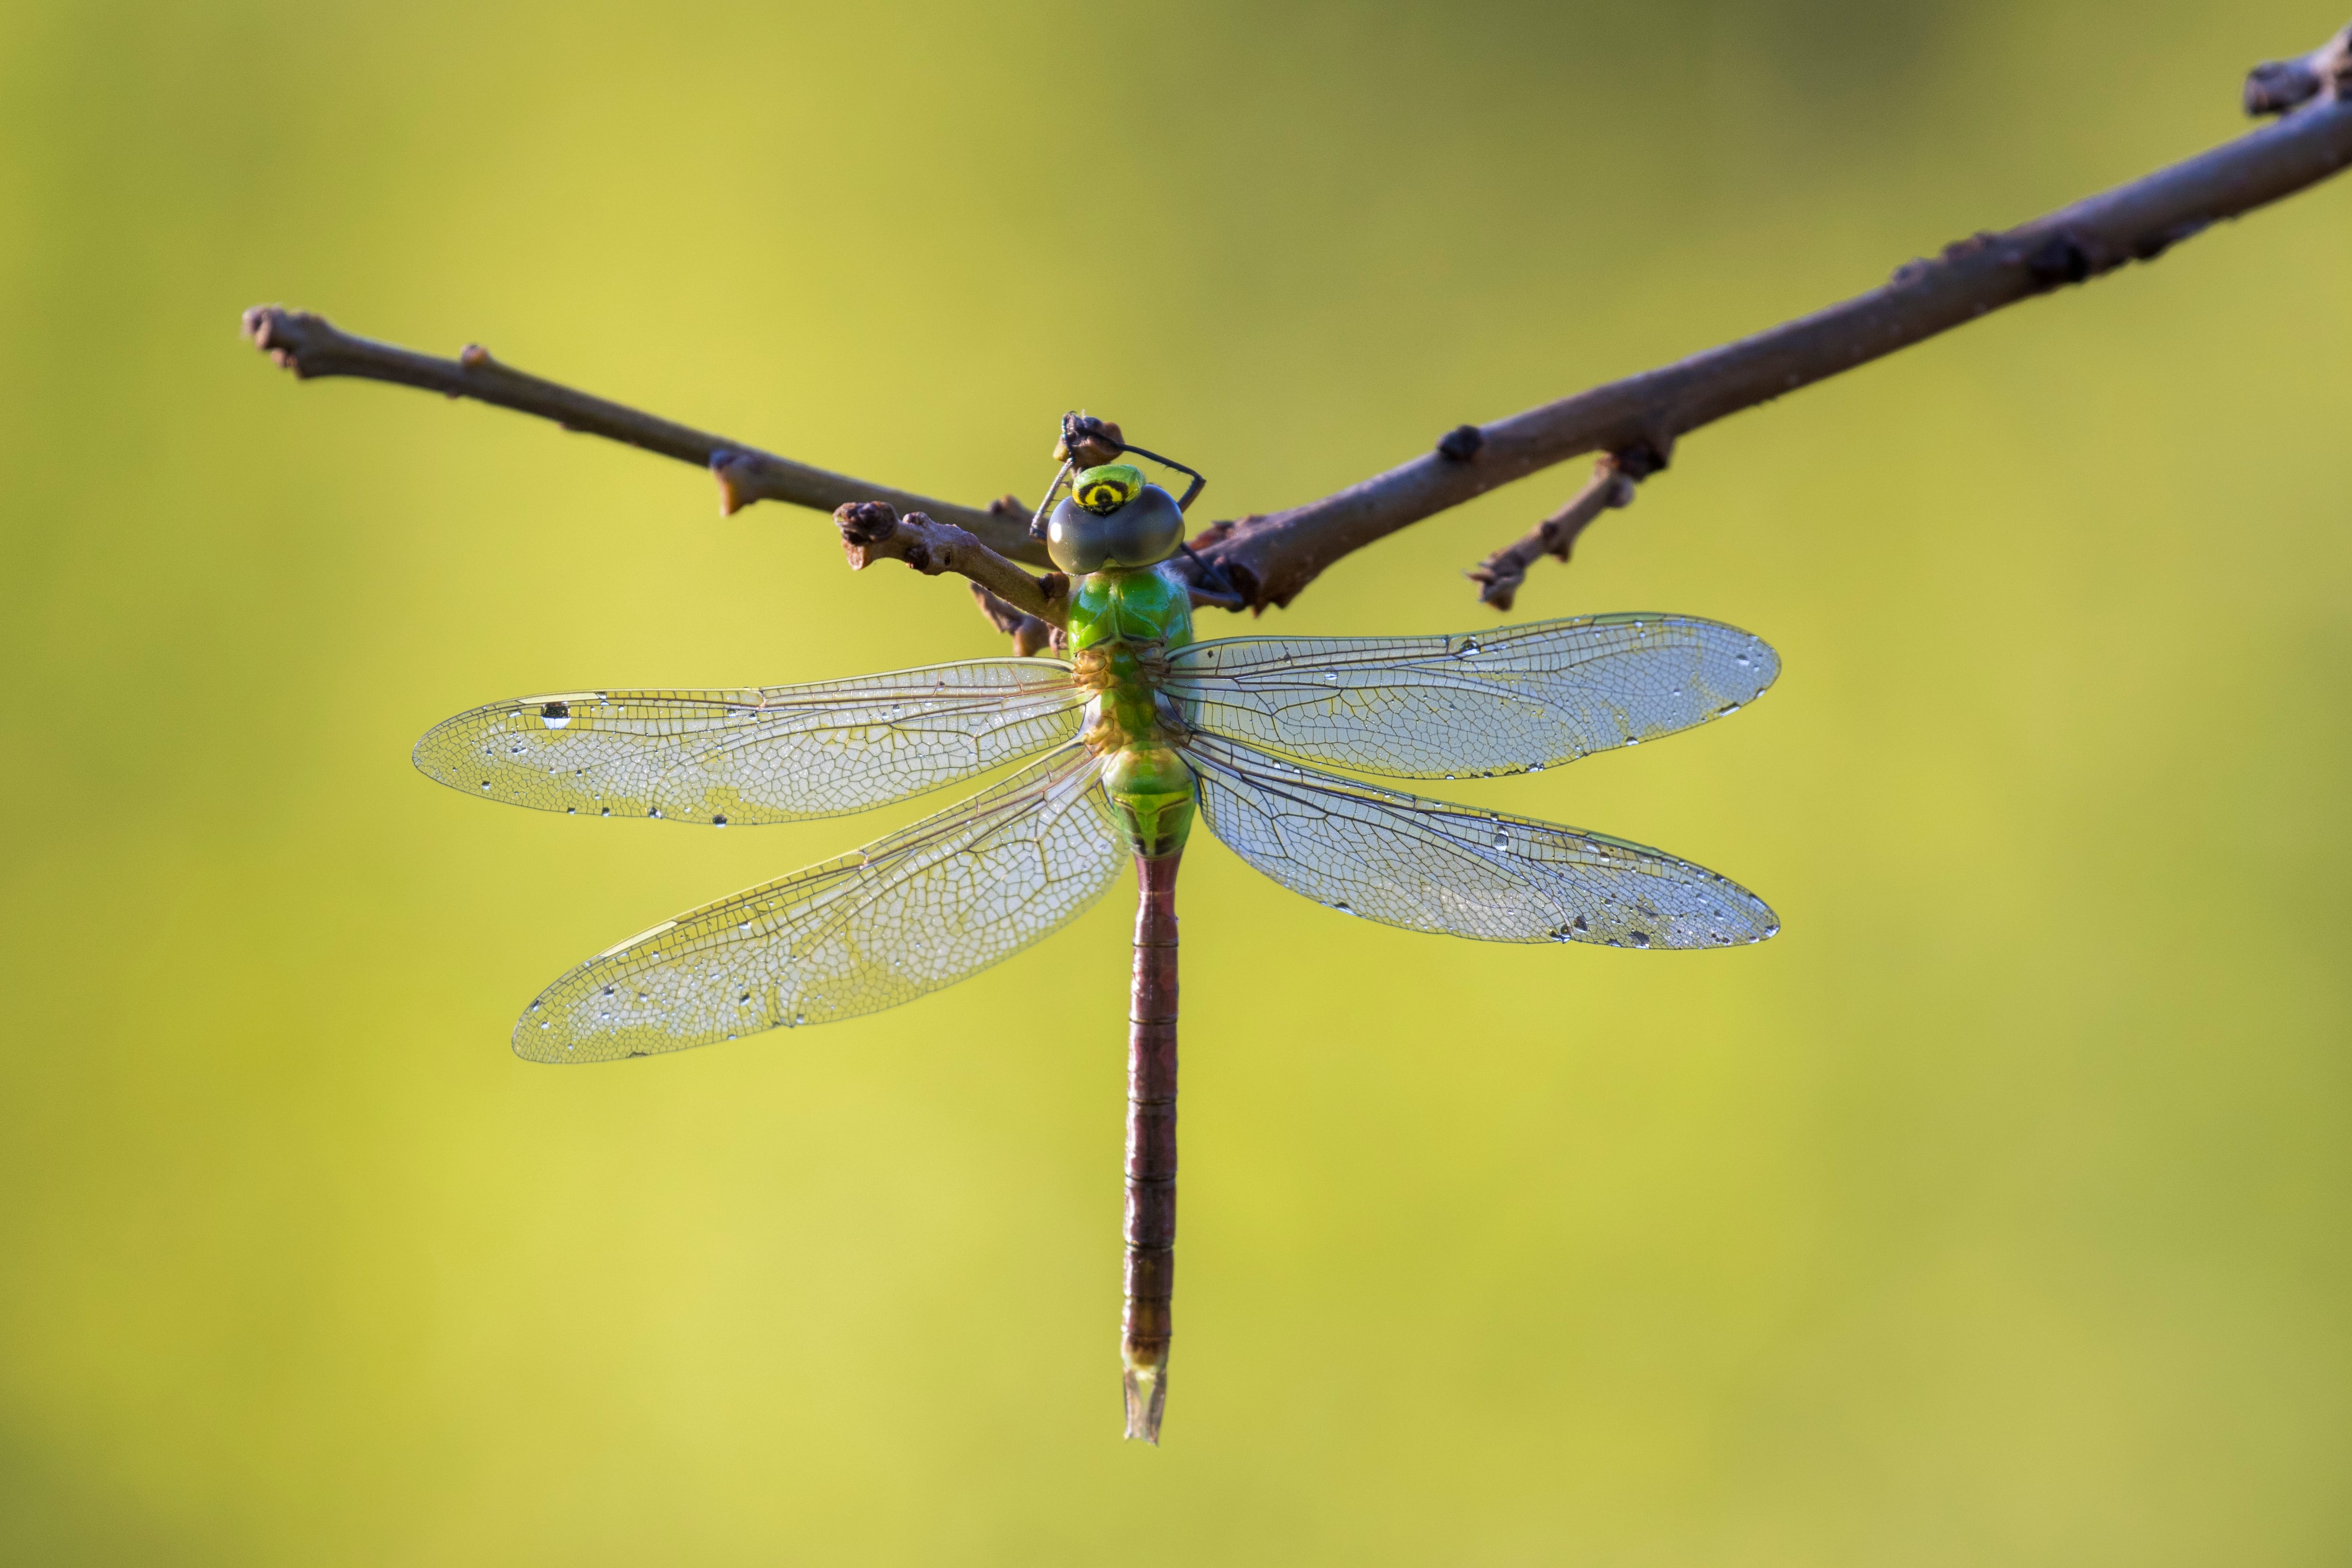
[
  {"x": 1106, "y": 490},
  {"x": 1143, "y": 529}
]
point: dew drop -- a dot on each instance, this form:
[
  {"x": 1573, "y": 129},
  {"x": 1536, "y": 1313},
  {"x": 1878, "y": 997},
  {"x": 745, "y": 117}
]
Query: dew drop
[
  {"x": 1502, "y": 838},
  {"x": 1342, "y": 906},
  {"x": 1469, "y": 649},
  {"x": 606, "y": 811},
  {"x": 555, "y": 715},
  {"x": 534, "y": 1006},
  {"x": 486, "y": 784},
  {"x": 655, "y": 814},
  {"x": 799, "y": 1018},
  {"x": 571, "y": 811},
  {"x": 608, "y": 990},
  {"x": 717, "y": 822},
  {"x": 1641, "y": 939}
]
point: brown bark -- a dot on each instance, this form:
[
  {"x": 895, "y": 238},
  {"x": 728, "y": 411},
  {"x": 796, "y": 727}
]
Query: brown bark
[
  {"x": 1150, "y": 1148},
  {"x": 873, "y": 530},
  {"x": 1636, "y": 421}
]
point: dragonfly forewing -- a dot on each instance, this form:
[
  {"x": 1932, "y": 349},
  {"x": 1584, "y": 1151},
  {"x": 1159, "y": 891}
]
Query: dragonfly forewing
[
  {"x": 910, "y": 913},
  {"x": 1433, "y": 866},
  {"x": 1502, "y": 701},
  {"x": 779, "y": 753}
]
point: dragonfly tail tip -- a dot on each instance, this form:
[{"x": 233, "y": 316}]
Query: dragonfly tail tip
[{"x": 1147, "y": 1398}]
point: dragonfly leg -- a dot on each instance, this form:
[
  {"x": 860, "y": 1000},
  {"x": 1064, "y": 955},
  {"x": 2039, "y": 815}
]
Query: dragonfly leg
[{"x": 1150, "y": 1148}]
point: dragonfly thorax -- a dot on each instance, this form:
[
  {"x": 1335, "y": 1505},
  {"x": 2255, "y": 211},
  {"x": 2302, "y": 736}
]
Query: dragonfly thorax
[
  {"x": 1123, "y": 625},
  {"x": 1146, "y": 605}
]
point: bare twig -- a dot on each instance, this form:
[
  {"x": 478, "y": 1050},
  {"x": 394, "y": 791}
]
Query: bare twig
[
  {"x": 312, "y": 347},
  {"x": 1638, "y": 418},
  {"x": 1266, "y": 560},
  {"x": 2276, "y": 86},
  {"x": 873, "y": 530},
  {"x": 1502, "y": 573}
]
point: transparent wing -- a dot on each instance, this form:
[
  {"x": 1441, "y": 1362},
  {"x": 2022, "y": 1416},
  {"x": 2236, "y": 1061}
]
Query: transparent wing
[
  {"x": 1496, "y": 703},
  {"x": 777, "y": 754},
  {"x": 920, "y": 909},
  {"x": 1428, "y": 864}
]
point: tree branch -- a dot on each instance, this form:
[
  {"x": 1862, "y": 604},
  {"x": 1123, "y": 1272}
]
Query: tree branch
[
  {"x": 1638, "y": 418},
  {"x": 1261, "y": 561},
  {"x": 313, "y": 348},
  {"x": 873, "y": 530}
]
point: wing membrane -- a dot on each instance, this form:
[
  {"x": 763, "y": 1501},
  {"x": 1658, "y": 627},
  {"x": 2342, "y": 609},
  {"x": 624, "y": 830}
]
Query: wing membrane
[
  {"x": 1431, "y": 866},
  {"x": 776, "y": 753},
  {"x": 1495, "y": 702},
  {"x": 920, "y": 909}
]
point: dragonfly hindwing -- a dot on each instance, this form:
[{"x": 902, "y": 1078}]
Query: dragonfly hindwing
[
  {"x": 1432, "y": 865},
  {"x": 920, "y": 909}
]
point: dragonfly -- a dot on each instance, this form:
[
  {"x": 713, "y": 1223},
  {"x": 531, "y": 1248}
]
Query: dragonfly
[{"x": 1108, "y": 754}]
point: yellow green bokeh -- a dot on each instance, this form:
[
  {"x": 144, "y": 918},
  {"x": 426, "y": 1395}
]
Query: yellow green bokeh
[{"x": 1996, "y": 1212}]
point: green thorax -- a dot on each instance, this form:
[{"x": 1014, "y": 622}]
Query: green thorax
[
  {"x": 1123, "y": 625},
  {"x": 1144, "y": 606}
]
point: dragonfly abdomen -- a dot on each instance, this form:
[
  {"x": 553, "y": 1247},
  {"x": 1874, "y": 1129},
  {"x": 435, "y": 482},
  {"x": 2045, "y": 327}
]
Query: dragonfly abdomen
[{"x": 1150, "y": 1148}]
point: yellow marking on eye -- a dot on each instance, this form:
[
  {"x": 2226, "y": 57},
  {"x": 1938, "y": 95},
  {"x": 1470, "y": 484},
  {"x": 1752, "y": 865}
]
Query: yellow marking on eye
[{"x": 1107, "y": 488}]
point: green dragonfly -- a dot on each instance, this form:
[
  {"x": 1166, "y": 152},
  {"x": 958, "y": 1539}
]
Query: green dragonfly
[{"x": 1119, "y": 746}]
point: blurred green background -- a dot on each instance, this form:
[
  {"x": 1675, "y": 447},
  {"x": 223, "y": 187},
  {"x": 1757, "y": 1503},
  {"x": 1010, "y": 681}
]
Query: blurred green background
[{"x": 1996, "y": 1212}]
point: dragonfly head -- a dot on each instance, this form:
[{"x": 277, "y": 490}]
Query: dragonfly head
[{"x": 1113, "y": 519}]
